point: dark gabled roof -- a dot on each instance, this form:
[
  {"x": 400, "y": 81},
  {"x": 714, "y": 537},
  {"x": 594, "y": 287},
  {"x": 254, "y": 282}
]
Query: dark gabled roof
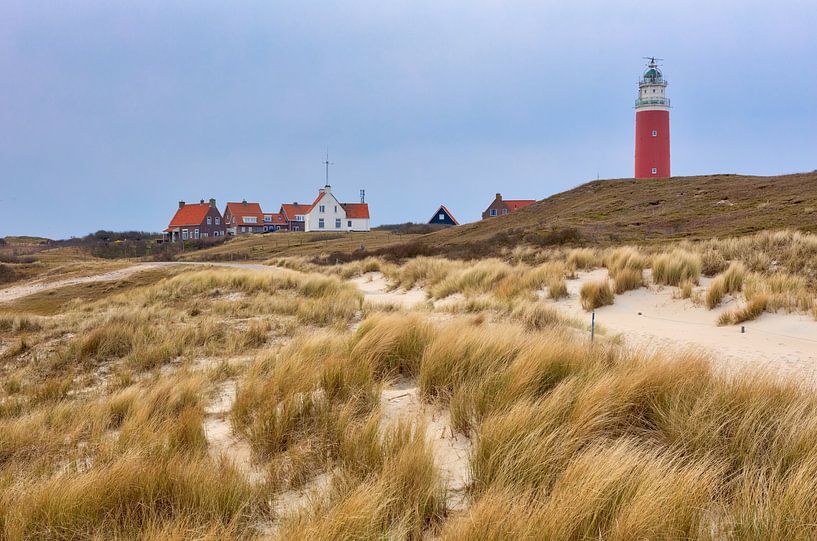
[{"x": 447, "y": 212}]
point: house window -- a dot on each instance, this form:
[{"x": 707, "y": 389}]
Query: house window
[
  {"x": 322, "y": 208},
  {"x": 337, "y": 223},
  {"x": 243, "y": 229},
  {"x": 504, "y": 211},
  {"x": 654, "y": 170},
  {"x": 655, "y": 133},
  {"x": 184, "y": 234},
  {"x": 195, "y": 233},
  {"x": 299, "y": 218},
  {"x": 218, "y": 220},
  {"x": 336, "y": 208},
  {"x": 320, "y": 223},
  {"x": 209, "y": 220},
  {"x": 204, "y": 235},
  {"x": 493, "y": 212},
  {"x": 349, "y": 223},
  {"x": 249, "y": 220},
  {"x": 215, "y": 233},
  {"x": 267, "y": 218},
  {"x": 441, "y": 217}
]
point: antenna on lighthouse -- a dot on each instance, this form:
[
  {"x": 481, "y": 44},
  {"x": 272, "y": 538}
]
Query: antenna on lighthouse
[
  {"x": 362, "y": 196},
  {"x": 653, "y": 61}
]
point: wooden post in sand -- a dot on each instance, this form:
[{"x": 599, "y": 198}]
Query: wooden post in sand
[{"x": 592, "y": 326}]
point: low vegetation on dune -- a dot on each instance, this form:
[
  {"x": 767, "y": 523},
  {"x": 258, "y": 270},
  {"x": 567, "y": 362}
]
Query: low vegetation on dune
[
  {"x": 224, "y": 403},
  {"x": 730, "y": 282},
  {"x": 675, "y": 267},
  {"x": 596, "y": 294}
]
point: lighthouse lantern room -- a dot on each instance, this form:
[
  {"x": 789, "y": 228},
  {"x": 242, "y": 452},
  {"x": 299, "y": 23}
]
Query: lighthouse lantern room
[{"x": 652, "y": 125}]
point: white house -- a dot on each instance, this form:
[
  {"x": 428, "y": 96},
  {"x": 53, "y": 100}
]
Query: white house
[{"x": 329, "y": 214}]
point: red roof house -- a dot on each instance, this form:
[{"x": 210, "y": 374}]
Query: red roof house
[
  {"x": 243, "y": 218},
  {"x": 501, "y": 207},
  {"x": 294, "y": 214},
  {"x": 195, "y": 221}
]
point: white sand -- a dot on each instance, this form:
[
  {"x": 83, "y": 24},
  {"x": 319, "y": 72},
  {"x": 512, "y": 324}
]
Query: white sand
[
  {"x": 451, "y": 449},
  {"x": 784, "y": 343},
  {"x": 221, "y": 440},
  {"x": 375, "y": 291}
]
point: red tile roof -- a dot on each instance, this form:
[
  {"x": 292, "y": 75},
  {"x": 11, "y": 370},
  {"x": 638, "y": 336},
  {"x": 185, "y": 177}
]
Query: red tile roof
[
  {"x": 516, "y": 204},
  {"x": 241, "y": 210},
  {"x": 190, "y": 214},
  {"x": 356, "y": 210},
  {"x": 277, "y": 219},
  {"x": 290, "y": 210}
]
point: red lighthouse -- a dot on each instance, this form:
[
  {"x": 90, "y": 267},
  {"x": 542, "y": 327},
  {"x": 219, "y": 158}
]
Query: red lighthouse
[{"x": 652, "y": 125}]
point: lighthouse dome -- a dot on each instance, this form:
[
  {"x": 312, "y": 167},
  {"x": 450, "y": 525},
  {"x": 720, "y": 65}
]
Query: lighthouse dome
[{"x": 653, "y": 75}]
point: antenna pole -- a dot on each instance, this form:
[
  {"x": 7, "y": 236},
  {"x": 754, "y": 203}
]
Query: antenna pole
[{"x": 327, "y": 163}]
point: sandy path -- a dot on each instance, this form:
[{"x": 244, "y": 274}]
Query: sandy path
[
  {"x": 24, "y": 290},
  {"x": 221, "y": 439},
  {"x": 452, "y": 450},
  {"x": 652, "y": 318},
  {"x": 375, "y": 291}
]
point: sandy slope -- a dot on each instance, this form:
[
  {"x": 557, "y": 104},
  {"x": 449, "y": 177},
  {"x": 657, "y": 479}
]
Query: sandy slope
[
  {"x": 451, "y": 449},
  {"x": 30, "y": 288},
  {"x": 651, "y": 317},
  {"x": 375, "y": 291}
]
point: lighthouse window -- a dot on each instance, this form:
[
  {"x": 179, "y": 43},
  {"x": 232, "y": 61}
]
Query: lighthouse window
[
  {"x": 654, "y": 171},
  {"x": 654, "y": 133}
]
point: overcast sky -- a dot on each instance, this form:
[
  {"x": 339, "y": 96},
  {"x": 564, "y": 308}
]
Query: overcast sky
[{"x": 110, "y": 112}]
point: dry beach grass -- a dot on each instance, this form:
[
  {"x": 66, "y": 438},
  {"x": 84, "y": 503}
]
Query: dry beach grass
[{"x": 107, "y": 403}]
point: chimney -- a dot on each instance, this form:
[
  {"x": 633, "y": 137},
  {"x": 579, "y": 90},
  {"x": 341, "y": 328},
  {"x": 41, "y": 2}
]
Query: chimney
[
  {"x": 499, "y": 197},
  {"x": 181, "y": 204},
  {"x": 294, "y": 202},
  {"x": 212, "y": 202},
  {"x": 327, "y": 189},
  {"x": 322, "y": 190}
]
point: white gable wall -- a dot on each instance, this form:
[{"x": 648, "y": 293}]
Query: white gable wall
[
  {"x": 358, "y": 224},
  {"x": 332, "y": 211}
]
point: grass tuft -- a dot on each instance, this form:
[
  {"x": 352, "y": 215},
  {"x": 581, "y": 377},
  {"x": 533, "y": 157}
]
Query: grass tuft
[{"x": 596, "y": 294}]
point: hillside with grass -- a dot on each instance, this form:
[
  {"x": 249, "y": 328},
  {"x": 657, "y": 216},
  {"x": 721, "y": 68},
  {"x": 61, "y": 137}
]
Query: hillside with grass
[
  {"x": 304, "y": 401},
  {"x": 657, "y": 209}
]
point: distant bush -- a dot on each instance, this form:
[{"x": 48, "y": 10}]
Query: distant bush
[
  {"x": 14, "y": 258},
  {"x": 7, "y": 274},
  {"x": 410, "y": 228},
  {"x": 553, "y": 237}
]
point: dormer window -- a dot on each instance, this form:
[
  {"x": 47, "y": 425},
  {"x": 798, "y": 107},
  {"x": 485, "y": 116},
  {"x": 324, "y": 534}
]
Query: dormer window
[
  {"x": 267, "y": 218},
  {"x": 249, "y": 220}
]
